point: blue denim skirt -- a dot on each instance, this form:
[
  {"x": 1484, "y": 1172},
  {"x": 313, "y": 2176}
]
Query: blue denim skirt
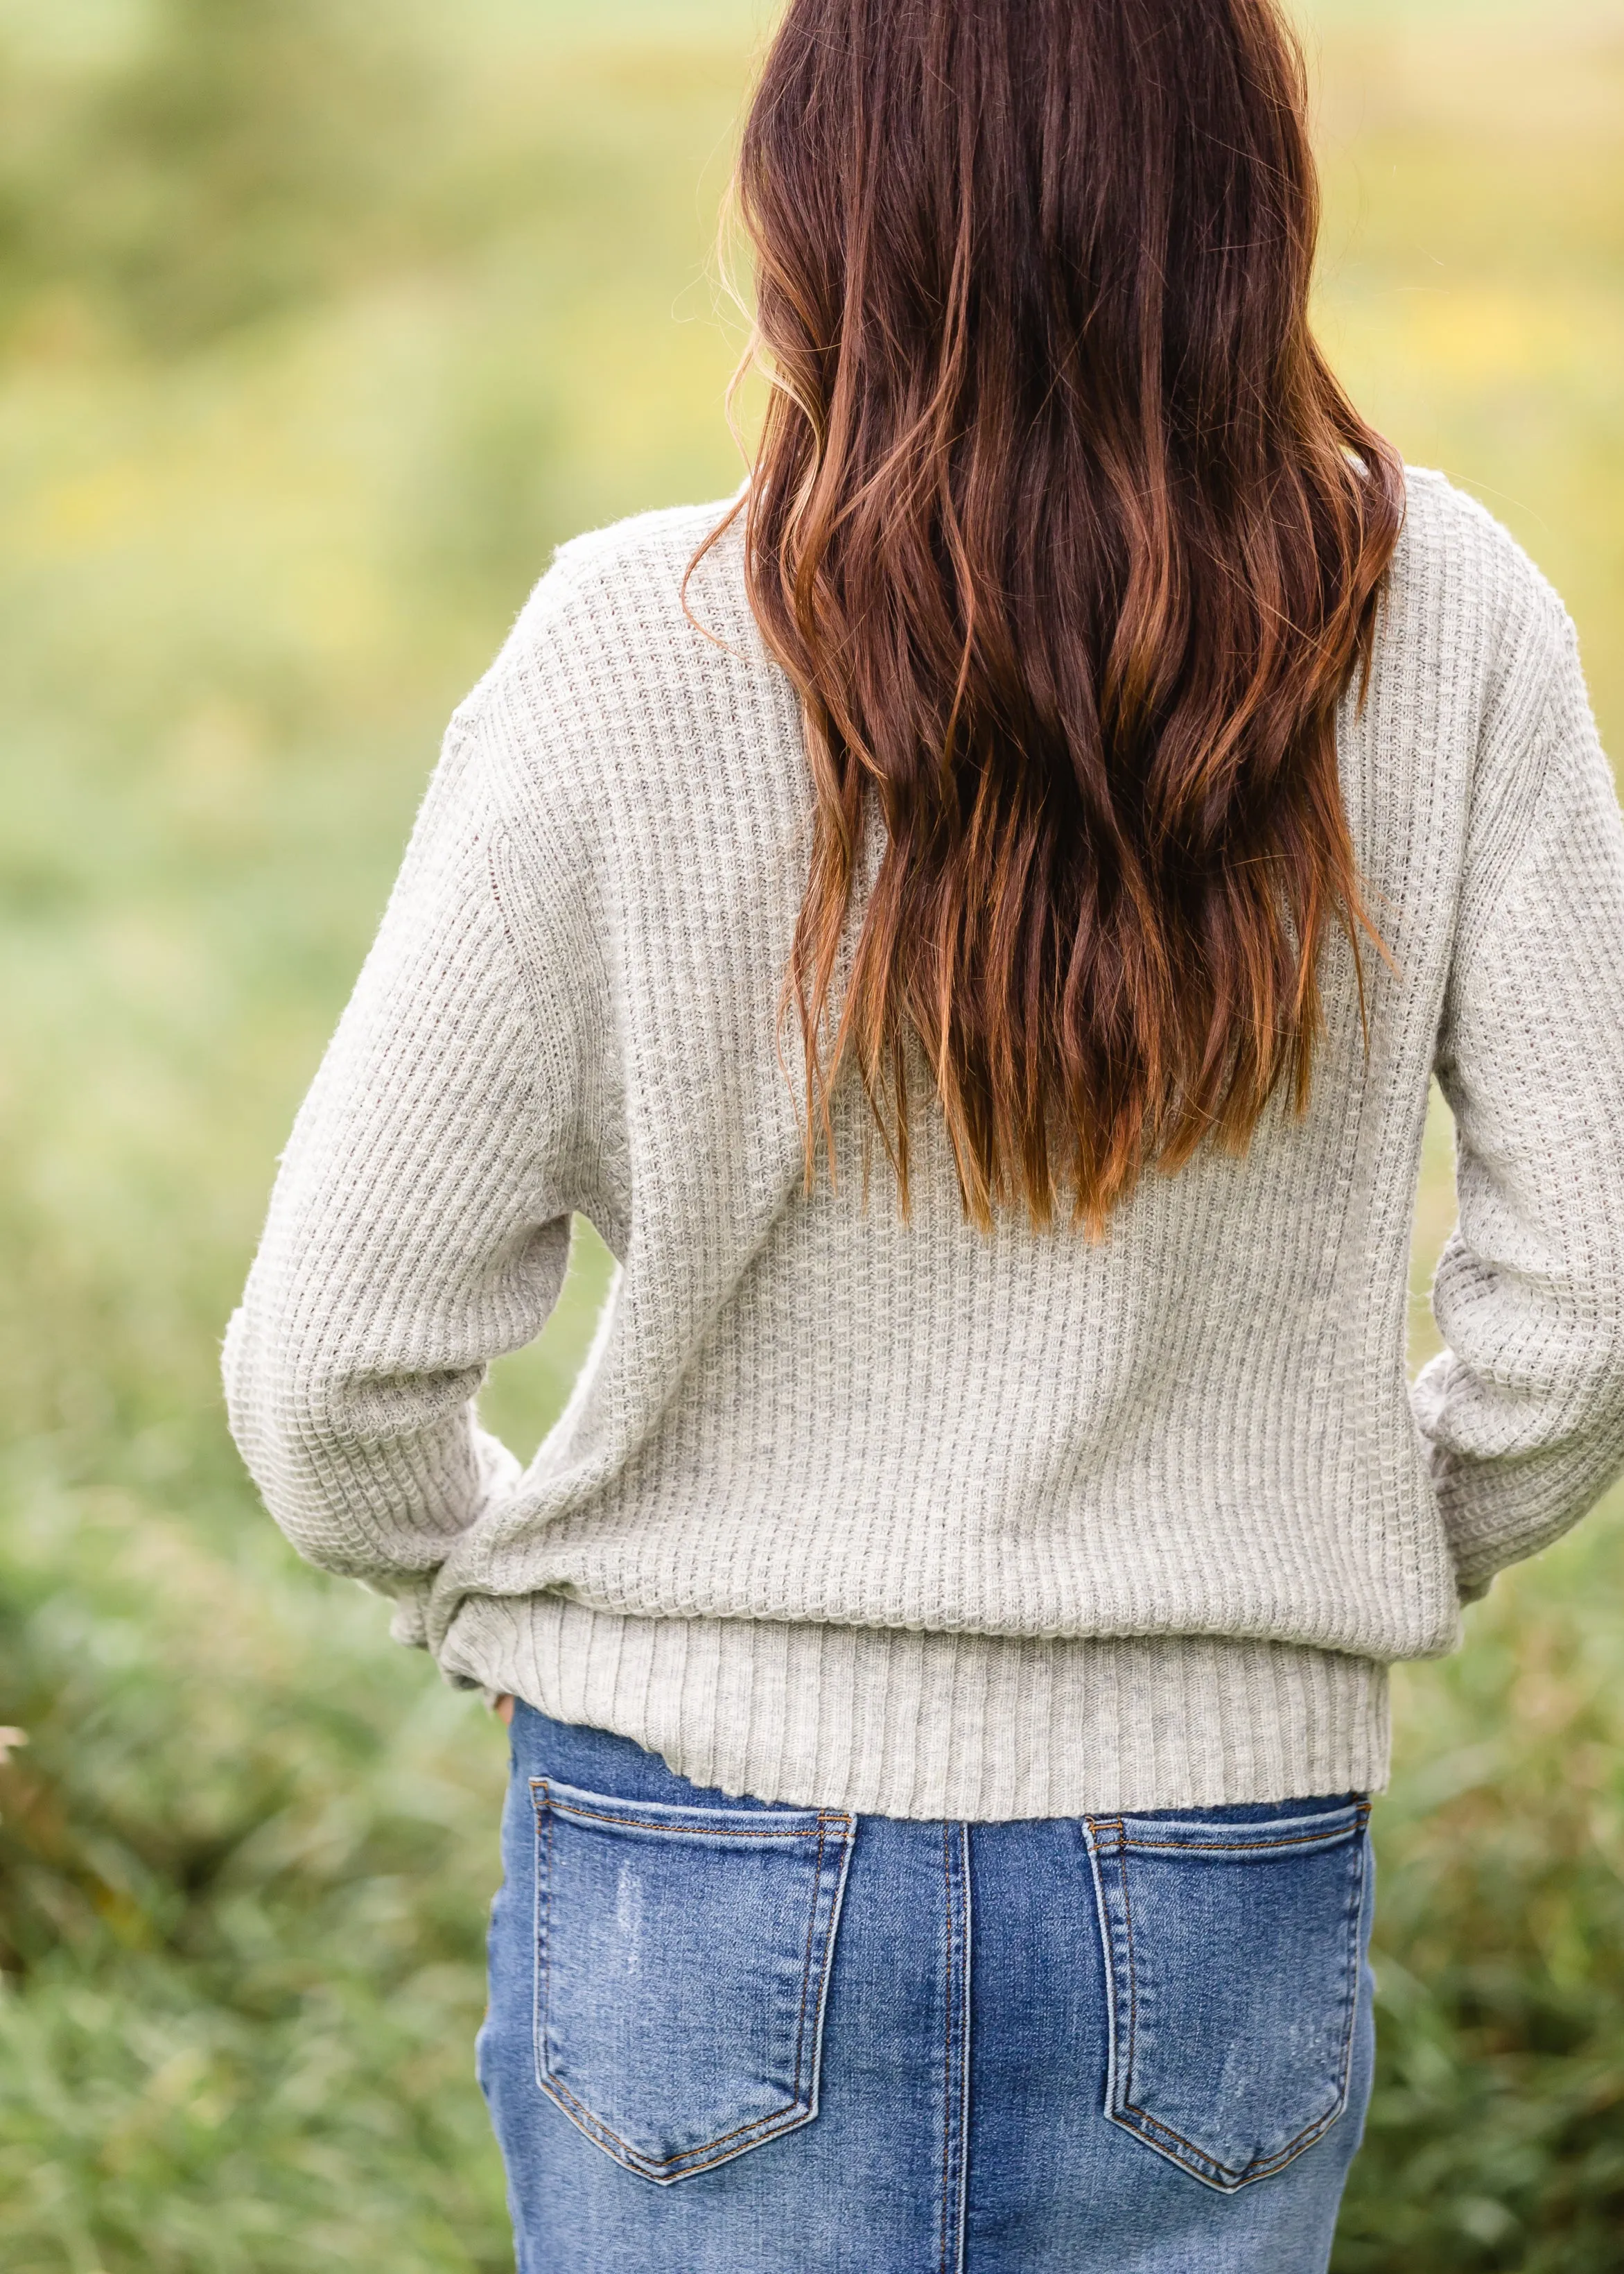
[{"x": 726, "y": 2037}]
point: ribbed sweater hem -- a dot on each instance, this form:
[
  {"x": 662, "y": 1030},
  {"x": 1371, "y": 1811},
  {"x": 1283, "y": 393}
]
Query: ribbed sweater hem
[{"x": 967, "y": 1726}]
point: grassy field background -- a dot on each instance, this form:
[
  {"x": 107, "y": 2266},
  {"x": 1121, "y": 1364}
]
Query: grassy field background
[{"x": 319, "y": 324}]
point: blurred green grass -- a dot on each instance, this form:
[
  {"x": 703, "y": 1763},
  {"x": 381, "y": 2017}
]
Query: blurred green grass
[{"x": 319, "y": 325}]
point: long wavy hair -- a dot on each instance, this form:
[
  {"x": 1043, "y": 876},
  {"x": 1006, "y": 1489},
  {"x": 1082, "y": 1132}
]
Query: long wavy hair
[{"x": 1071, "y": 545}]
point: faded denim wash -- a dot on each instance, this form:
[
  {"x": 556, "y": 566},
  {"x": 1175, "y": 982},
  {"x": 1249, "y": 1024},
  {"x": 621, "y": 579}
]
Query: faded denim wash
[{"x": 726, "y": 2037}]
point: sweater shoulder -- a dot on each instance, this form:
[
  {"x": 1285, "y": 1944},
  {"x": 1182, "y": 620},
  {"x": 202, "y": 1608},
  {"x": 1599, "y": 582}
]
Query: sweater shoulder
[
  {"x": 634, "y": 679},
  {"x": 629, "y": 627},
  {"x": 641, "y": 595},
  {"x": 1480, "y": 635},
  {"x": 640, "y": 546},
  {"x": 1461, "y": 565}
]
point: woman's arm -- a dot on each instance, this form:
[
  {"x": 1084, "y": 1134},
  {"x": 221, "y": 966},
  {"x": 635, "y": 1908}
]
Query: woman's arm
[
  {"x": 420, "y": 1223},
  {"x": 1523, "y": 1412}
]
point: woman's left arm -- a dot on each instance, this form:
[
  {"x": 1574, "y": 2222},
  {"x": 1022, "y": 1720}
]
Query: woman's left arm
[{"x": 420, "y": 1223}]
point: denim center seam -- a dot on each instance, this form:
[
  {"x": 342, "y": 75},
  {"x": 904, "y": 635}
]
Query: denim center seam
[{"x": 956, "y": 2064}]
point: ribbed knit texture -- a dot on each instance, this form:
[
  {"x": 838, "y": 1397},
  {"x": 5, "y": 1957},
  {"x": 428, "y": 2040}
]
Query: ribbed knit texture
[{"x": 856, "y": 1512}]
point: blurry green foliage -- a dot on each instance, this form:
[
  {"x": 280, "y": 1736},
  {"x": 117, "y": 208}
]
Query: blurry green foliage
[
  {"x": 202, "y": 163},
  {"x": 1496, "y": 2135},
  {"x": 319, "y": 323},
  {"x": 241, "y": 1865}
]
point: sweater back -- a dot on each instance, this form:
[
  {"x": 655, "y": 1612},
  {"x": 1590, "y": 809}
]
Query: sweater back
[{"x": 853, "y": 1511}]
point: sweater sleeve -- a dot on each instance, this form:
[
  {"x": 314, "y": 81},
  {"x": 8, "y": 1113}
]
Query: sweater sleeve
[
  {"x": 1522, "y": 1414},
  {"x": 419, "y": 1225}
]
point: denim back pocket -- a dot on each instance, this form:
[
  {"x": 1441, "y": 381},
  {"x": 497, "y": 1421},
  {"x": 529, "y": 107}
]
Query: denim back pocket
[
  {"x": 1232, "y": 1956},
  {"x": 682, "y": 1959}
]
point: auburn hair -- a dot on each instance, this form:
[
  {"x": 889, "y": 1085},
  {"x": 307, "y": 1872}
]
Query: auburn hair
[{"x": 1071, "y": 545}]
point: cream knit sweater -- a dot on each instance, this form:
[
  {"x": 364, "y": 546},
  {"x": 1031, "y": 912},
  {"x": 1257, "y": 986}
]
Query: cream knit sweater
[{"x": 898, "y": 1516}]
